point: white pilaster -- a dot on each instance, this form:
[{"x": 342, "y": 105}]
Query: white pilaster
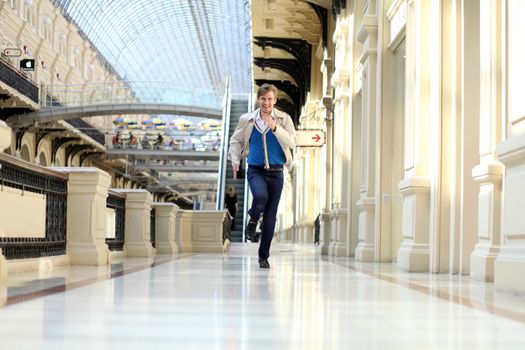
[
  {"x": 510, "y": 263},
  {"x": 324, "y": 234},
  {"x": 365, "y": 249},
  {"x": 489, "y": 177},
  {"x": 185, "y": 231},
  {"x": 414, "y": 253},
  {"x": 507, "y": 17},
  {"x": 339, "y": 222},
  {"x": 367, "y": 35},
  {"x": 178, "y": 231},
  {"x": 326, "y": 69}
]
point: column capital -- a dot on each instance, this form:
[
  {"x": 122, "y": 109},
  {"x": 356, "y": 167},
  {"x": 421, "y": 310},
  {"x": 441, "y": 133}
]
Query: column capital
[{"x": 490, "y": 172}]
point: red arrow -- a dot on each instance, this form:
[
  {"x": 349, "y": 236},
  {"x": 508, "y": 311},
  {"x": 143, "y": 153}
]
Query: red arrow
[{"x": 316, "y": 138}]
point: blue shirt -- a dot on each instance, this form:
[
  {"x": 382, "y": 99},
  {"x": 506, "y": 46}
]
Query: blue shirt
[{"x": 275, "y": 152}]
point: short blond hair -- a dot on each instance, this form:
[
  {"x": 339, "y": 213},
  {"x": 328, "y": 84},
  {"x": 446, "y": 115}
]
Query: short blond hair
[{"x": 265, "y": 88}]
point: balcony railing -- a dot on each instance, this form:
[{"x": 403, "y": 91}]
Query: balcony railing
[
  {"x": 17, "y": 174},
  {"x": 117, "y": 202},
  {"x": 152, "y": 227},
  {"x": 17, "y": 81},
  {"x": 87, "y": 129}
]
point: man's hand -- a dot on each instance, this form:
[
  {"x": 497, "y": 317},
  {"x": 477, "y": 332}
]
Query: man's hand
[
  {"x": 269, "y": 121},
  {"x": 235, "y": 168}
]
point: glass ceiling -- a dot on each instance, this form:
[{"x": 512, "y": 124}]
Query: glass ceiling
[{"x": 191, "y": 44}]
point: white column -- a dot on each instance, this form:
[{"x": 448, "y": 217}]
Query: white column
[
  {"x": 367, "y": 35},
  {"x": 185, "y": 231},
  {"x": 489, "y": 172},
  {"x": 165, "y": 228},
  {"x": 510, "y": 264},
  {"x": 178, "y": 230},
  {"x": 414, "y": 253},
  {"x": 86, "y": 215},
  {"x": 137, "y": 238},
  {"x": 325, "y": 216},
  {"x": 489, "y": 177}
]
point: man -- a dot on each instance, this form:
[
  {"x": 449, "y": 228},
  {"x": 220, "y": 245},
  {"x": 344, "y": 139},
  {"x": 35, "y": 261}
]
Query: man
[{"x": 265, "y": 137}]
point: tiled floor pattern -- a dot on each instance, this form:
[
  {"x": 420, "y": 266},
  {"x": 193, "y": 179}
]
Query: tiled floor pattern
[{"x": 224, "y": 301}]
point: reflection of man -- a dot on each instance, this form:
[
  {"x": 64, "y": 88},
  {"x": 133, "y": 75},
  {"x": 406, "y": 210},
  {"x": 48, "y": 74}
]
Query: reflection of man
[{"x": 265, "y": 136}]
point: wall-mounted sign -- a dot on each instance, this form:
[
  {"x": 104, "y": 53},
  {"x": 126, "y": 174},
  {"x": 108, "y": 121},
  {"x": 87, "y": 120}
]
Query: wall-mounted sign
[
  {"x": 12, "y": 52},
  {"x": 27, "y": 65},
  {"x": 310, "y": 138}
]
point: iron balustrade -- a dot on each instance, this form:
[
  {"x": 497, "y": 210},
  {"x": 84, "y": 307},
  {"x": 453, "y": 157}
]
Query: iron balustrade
[
  {"x": 17, "y": 174},
  {"x": 17, "y": 81},
  {"x": 152, "y": 226},
  {"x": 88, "y": 129},
  {"x": 118, "y": 203}
]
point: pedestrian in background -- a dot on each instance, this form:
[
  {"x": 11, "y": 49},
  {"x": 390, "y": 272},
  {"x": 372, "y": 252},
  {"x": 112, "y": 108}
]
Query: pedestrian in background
[{"x": 230, "y": 200}]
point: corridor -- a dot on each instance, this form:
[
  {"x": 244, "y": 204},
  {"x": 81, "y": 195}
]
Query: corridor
[{"x": 224, "y": 301}]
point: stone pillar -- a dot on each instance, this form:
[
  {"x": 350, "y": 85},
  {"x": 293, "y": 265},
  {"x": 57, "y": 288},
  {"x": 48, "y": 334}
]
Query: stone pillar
[
  {"x": 482, "y": 260},
  {"x": 137, "y": 239},
  {"x": 339, "y": 246},
  {"x": 86, "y": 215},
  {"x": 507, "y": 21},
  {"x": 326, "y": 69},
  {"x": 365, "y": 249},
  {"x": 165, "y": 228},
  {"x": 5, "y": 136},
  {"x": 510, "y": 264},
  {"x": 489, "y": 172},
  {"x": 367, "y": 35},
  {"x": 325, "y": 232},
  {"x": 178, "y": 230},
  {"x": 414, "y": 252},
  {"x": 207, "y": 231},
  {"x": 185, "y": 231}
]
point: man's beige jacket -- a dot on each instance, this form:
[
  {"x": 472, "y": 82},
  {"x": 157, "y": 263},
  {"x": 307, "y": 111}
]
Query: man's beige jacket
[{"x": 240, "y": 140}]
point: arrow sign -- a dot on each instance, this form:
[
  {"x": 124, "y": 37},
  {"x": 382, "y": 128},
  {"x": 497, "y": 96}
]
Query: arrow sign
[{"x": 310, "y": 138}]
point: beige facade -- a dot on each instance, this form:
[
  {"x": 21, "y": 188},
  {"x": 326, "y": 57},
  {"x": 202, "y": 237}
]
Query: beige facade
[
  {"x": 421, "y": 104},
  {"x": 423, "y": 164}
]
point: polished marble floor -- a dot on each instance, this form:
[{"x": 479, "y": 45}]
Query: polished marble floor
[{"x": 224, "y": 301}]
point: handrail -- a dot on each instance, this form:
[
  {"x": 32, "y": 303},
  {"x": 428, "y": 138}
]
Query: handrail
[
  {"x": 247, "y": 192},
  {"x": 32, "y": 167},
  {"x": 223, "y": 161}
]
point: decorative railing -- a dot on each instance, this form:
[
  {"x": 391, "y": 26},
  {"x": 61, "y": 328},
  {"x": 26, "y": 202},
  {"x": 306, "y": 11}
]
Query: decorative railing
[
  {"x": 17, "y": 81},
  {"x": 18, "y": 174},
  {"x": 117, "y": 202},
  {"x": 88, "y": 129},
  {"x": 152, "y": 226},
  {"x": 125, "y": 92}
]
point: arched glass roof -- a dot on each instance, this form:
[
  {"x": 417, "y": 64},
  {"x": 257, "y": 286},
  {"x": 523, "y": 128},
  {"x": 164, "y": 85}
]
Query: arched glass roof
[{"x": 192, "y": 44}]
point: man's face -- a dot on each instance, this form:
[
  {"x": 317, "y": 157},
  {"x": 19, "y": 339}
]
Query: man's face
[{"x": 266, "y": 102}]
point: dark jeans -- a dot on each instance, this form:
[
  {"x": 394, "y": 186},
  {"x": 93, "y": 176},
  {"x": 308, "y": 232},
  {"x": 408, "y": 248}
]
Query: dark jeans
[{"x": 266, "y": 187}]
